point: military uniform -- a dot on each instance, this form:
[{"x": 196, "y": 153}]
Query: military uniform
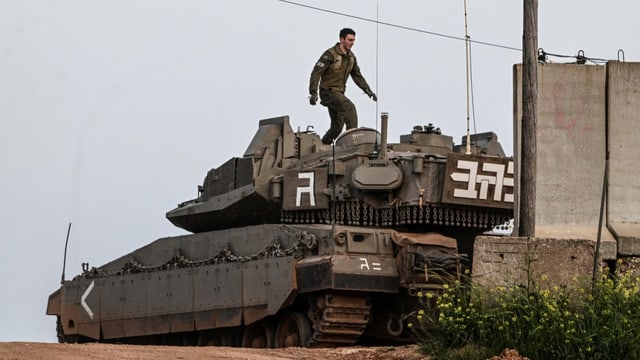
[{"x": 330, "y": 74}]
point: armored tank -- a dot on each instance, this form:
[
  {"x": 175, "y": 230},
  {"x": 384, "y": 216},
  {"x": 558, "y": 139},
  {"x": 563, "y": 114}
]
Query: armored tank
[{"x": 297, "y": 243}]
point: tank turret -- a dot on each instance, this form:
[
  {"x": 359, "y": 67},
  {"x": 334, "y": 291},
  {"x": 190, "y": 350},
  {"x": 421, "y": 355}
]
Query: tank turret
[{"x": 291, "y": 177}]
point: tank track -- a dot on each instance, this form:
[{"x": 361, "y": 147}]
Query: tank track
[
  {"x": 338, "y": 319},
  {"x": 62, "y": 338}
]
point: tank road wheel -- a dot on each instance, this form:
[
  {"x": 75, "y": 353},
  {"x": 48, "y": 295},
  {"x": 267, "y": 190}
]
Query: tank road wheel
[
  {"x": 258, "y": 335},
  {"x": 208, "y": 338},
  {"x": 293, "y": 330},
  {"x": 230, "y": 336}
]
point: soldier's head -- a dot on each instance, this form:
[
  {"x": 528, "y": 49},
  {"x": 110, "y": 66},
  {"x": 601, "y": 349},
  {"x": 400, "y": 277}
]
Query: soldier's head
[{"x": 347, "y": 38}]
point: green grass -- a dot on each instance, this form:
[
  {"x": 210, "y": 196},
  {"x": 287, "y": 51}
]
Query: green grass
[{"x": 597, "y": 319}]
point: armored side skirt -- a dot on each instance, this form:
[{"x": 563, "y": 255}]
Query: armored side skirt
[
  {"x": 178, "y": 300},
  {"x": 221, "y": 279}
]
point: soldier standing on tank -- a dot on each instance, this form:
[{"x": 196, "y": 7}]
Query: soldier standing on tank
[{"x": 331, "y": 73}]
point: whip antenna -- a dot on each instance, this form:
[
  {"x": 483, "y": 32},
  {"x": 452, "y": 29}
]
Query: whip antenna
[
  {"x": 64, "y": 261},
  {"x": 377, "y": 39},
  {"x": 467, "y": 44},
  {"x": 333, "y": 198}
]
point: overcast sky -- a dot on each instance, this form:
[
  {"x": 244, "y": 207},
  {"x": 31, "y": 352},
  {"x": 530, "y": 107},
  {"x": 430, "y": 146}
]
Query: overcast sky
[{"x": 112, "y": 112}]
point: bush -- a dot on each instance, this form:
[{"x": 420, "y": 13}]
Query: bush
[{"x": 597, "y": 319}]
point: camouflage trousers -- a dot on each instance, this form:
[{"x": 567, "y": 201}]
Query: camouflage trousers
[{"x": 341, "y": 111}]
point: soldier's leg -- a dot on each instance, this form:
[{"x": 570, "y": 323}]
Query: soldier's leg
[
  {"x": 332, "y": 102},
  {"x": 334, "y": 130},
  {"x": 345, "y": 110},
  {"x": 350, "y": 114}
]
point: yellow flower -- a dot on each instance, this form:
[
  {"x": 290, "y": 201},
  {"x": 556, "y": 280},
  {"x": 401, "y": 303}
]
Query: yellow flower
[
  {"x": 409, "y": 325},
  {"x": 420, "y": 312},
  {"x": 543, "y": 277},
  {"x": 419, "y": 294}
]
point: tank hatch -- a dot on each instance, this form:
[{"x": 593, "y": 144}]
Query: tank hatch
[
  {"x": 359, "y": 136},
  {"x": 425, "y": 139},
  {"x": 485, "y": 143}
]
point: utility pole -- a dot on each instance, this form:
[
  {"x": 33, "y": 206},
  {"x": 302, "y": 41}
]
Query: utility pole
[{"x": 527, "y": 223}]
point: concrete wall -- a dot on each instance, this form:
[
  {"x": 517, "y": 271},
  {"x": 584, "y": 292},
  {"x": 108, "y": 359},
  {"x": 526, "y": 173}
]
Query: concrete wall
[
  {"x": 623, "y": 117},
  {"x": 584, "y": 113},
  {"x": 509, "y": 261},
  {"x": 571, "y": 139},
  {"x": 571, "y": 148}
]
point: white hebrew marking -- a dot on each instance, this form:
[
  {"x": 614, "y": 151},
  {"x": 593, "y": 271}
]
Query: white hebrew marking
[{"x": 306, "y": 189}]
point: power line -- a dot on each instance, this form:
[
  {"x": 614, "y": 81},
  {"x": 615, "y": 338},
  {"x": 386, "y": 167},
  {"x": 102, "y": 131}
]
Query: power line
[
  {"x": 580, "y": 58},
  {"x": 400, "y": 26}
]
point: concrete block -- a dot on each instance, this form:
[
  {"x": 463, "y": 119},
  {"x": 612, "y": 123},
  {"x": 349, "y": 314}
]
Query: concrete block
[
  {"x": 628, "y": 237},
  {"x": 623, "y": 97},
  {"x": 509, "y": 261},
  {"x": 623, "y": 200},
  {"x": 608, "y": 245},
  {"x": 571, "y": 147},
  {"x": 570, "y": 144}
]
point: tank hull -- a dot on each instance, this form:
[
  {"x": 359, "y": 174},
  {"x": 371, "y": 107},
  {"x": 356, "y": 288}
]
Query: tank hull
[{"x": 229, "y": 279}]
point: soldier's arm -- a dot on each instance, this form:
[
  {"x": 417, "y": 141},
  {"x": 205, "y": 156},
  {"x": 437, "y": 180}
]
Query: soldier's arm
[
  {"x": 318, "y": 70},
  {"x": 357, "y": 77}
]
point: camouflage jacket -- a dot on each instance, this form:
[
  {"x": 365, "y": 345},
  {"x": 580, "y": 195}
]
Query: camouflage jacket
[{"x": 333, "y": 69}]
